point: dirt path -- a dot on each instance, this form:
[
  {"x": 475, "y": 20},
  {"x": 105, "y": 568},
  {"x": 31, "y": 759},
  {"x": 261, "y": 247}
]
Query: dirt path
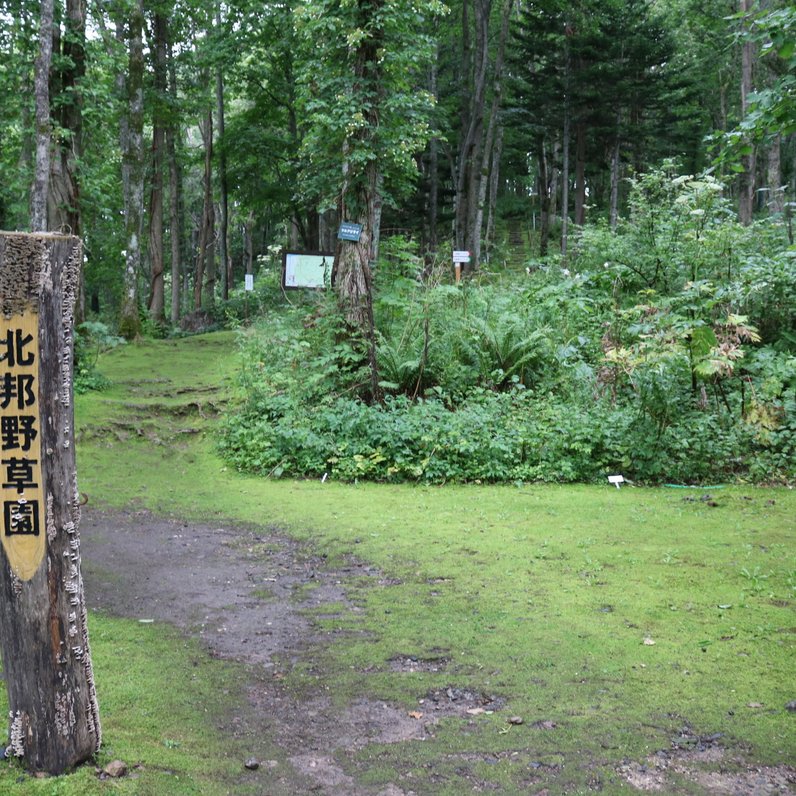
[
  {"x": 243, "y": 593},
  {"x": 246, "y": 593}
]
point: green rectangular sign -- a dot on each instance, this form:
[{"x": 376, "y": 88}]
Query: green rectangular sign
[{"x": 311, "y": 270}]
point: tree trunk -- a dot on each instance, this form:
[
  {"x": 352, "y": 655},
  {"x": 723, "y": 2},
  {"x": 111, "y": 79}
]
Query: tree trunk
[
  {"x": 359, "y": 195},
  {"x": 614, "y": 202},
  {"x": 544, "y": 201},
  {"x": 131, "y": 135},
  {"x": 43, "y": 630},
  {"x": 226, "y": 260},
  {"x": 472, "y": 129},
  {"x": 64, "y": 195},
  {"x": 747, "y": 177},
  {"x": 555, "y": 178},
  {"x": 433, "y": 168},
  {"x": 494, "y": 184},
  {"x": 580, "y": 174},
  {"x": 175, "y": 195},
  {"x": 375, "y": 218},
  {"x": 204, "y": 282},
  {"x": 64, "y": 198},
  {"x": 486, "y": 156},
  {"x": 41, "y": 179},
  {"x": 776, "y": 190},
  {"x": 248, "y": 243},
  {"x": 353, "y": 282},
  {"x": 565, "y": 178},
  {"x": 157, "y": 298}
]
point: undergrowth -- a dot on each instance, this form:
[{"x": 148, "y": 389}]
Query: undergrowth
[{"x": 663, "y": 350}]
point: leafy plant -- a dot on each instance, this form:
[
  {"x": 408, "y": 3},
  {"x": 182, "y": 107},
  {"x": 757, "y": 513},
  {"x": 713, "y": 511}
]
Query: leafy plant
[{"x": 92, "y": 338}]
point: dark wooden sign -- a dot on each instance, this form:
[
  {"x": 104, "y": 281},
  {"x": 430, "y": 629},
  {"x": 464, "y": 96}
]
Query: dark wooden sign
[
  {"x": 54, "y": 718},
  {"x": 349, "y": 231}
]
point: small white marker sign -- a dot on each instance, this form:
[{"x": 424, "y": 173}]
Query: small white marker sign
[
  {"x": 616, "y": 480},
  {"x": 249, "y": 283},
  {"x": 461, "y": 257}
]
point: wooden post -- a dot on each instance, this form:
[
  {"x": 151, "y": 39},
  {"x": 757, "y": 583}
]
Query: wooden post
[{"x": 54, "y": 718}]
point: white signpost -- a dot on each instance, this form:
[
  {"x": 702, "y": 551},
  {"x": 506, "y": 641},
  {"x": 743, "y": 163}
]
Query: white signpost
[{"x": 249, "y": 283}]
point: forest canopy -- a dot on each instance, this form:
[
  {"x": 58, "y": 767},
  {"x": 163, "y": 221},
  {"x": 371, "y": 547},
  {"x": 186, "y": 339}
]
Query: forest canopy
[{"x": 621, "y": 173}]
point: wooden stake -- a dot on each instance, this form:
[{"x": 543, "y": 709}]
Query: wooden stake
[{"x": 54, "y": 718}]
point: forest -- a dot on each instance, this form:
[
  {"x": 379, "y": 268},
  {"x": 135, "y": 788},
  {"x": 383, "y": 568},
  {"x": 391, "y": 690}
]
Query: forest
[
  {"x": 622, "y": 174},
  {"x": 498, "y": 497}
]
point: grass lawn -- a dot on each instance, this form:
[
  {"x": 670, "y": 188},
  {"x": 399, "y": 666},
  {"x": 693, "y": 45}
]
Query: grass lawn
[{"x": 615, "y": 623}]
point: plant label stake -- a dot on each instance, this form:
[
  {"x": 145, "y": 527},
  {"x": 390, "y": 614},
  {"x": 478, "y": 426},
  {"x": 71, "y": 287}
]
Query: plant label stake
[
  {"x": 616, "y": 480},
  {"x": 43, "y": 634},
  {"x": 459, "y": 257}
]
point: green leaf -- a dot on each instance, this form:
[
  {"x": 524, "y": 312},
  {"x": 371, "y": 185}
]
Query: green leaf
[
  {"x": 787, "y": 50},
  {"x": 703, "y": 341}
]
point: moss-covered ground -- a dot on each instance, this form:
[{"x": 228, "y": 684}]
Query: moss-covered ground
[{"x": 615, "y": 623}]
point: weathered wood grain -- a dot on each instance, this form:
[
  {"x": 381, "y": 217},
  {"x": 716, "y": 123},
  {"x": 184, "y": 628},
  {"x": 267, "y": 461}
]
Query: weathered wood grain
[{"x": 54, "y": 718}]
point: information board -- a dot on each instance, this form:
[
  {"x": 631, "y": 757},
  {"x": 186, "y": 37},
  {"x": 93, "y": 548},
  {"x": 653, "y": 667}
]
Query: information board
[{"x": 307, "y": 270}]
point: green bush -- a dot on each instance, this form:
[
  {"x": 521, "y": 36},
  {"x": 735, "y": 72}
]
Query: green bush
[{"x": 662, "y": 351}]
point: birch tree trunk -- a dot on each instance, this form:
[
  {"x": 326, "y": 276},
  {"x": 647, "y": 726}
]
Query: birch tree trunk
[
  {"x": 43, "y": 631},
  {"x": 131, "y": 135},
  {"x": 41, "y": 178}
]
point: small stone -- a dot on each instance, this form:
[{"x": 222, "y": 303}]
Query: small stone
[
  {"x": 116, "y": 769},
  {"x": 516, "y": 720},
  {"x": 252, "y": 764},
  {"x": 791, "y": 706}
]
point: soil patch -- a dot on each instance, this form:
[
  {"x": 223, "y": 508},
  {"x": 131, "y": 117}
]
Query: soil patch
[{"x": 245, "y": 593}]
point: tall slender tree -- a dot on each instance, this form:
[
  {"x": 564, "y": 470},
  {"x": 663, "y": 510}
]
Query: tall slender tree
[
  {"x": 159, "y": 48},
  {"x": 746, "y": 197},
  {"x": 129, "y": 32},
  {"x": 367, "y": 120},
  {"x": 40, "y": 190}
]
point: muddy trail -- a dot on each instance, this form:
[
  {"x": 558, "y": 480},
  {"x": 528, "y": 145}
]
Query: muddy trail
[
  {"x": 249, "y": 594},
  {"x": 246, "y": 594}
]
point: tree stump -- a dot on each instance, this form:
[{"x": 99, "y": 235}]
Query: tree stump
[{"x": 54, "y": 718}]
